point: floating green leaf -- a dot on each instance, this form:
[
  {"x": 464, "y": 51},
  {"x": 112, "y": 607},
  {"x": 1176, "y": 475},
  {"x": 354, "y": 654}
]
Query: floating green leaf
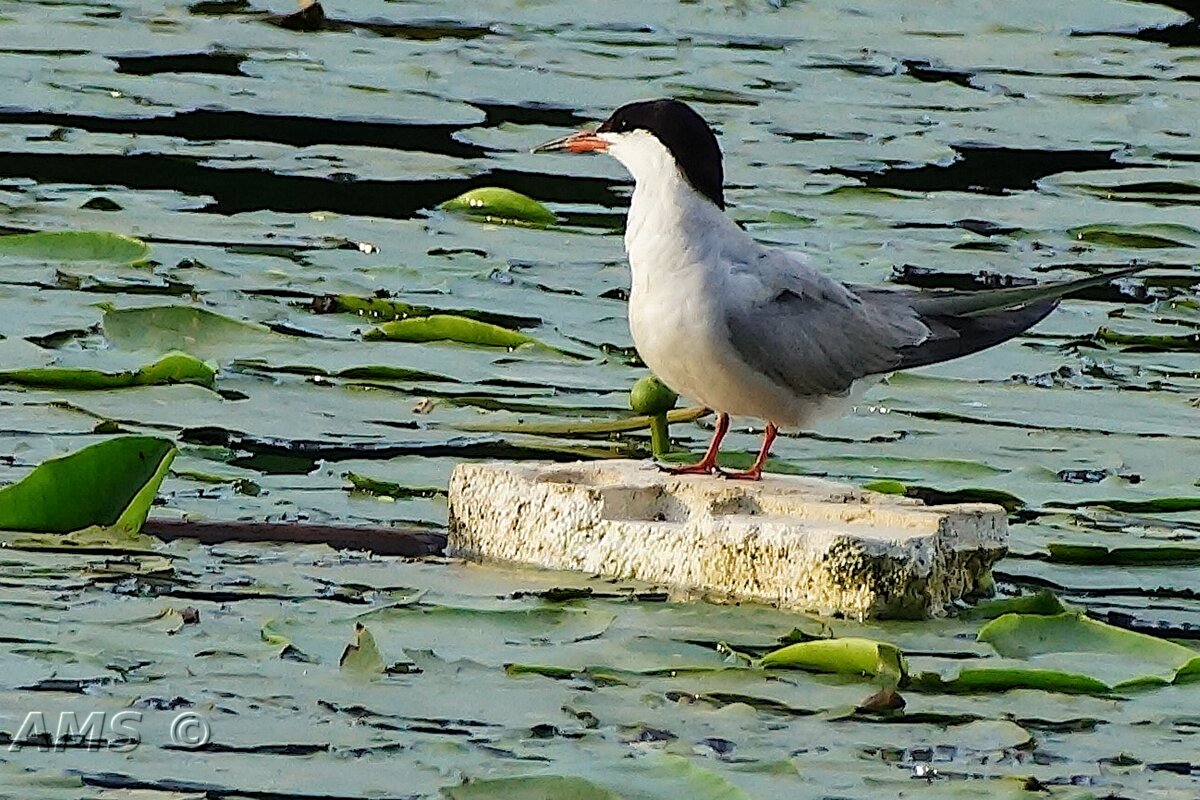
[
  {"x": 981, "y": 680},
  {"x": 383, "y": 372},
  {"x": 383, "y": 308},
  {"x": 937, "y": 497},
  {"x": 540, "y": 624},
  {"x": 1043, "y": 602},
  {"x": 600, "y": 675},
  {"x": 667, "y": 775},
  {"x": 766, "y": 705},
  {"x": 171, "y": 368},
  {"x": 1122, "y": 556},
  {"x": 530, "y": 787},
  {"x": 73, "y": 246},
  {"x": 369, "y": 372},
  {"x": 361, "y": 483},
  {"x": 269, "y": 633},
  {"x": 873, "y": 464},
  {"x": 845, "y": 656},
  {"x": 787, "y": 218},
  {"x": 1156, "y": 343},
  {"x": 497, "y": 204},
  {"x": 546, "y": 671},
  {"x": 603, "y": 428},
  {"x": 1135, "y": 236},
  {"x": 188, "y": 328},
  {"x": 110, "y": 485},
  {"x": 886, "y": 486},
  {"x": 987, "y": 735},
  {"x": 1085, "y": 646},
  {"x": 1161, "y": 505},
  {"x": 451, "y": 328},
  {"x": 241, "y": 485},
  {"x": 1021, "y": 636},
  {"x": 141, "y": 284},
  {"x": 362, "y": 656},
  {"x": 1025, "y": 636}
]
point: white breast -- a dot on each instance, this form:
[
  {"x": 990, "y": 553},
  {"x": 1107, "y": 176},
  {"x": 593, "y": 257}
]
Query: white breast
[{"x": 682, "y": 249}]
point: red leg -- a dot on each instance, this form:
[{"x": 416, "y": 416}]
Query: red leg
[
  {"x": 755, "y": 472},
  {"x": 708, "y": 464}
]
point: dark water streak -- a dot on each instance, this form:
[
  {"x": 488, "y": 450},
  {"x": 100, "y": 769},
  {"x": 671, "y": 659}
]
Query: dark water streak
[
  {"x": 244, "y": 189},
  {"x": 985, "y": 169}
]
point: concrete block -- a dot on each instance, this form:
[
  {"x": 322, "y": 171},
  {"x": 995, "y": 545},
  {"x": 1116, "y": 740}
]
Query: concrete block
[{"x": 795, "y": 542}]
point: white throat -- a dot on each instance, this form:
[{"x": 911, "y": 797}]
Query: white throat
[
  {"x": 685, "y": 255},
  {"x": 671, "y": 227}
]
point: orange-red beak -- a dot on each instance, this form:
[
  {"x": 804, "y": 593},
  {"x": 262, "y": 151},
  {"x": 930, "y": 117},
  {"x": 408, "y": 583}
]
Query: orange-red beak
[{"x": 581, "y": 142}]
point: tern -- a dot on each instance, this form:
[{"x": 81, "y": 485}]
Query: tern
[{"x": 748, "y": 330}]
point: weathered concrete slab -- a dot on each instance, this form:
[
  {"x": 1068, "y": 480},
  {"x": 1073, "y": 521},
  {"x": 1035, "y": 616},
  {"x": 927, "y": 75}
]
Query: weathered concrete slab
[{"x": 796, "y": 542}]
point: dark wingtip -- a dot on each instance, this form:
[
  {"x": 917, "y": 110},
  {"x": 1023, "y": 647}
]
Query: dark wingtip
[{"x": 956, "y": 336}]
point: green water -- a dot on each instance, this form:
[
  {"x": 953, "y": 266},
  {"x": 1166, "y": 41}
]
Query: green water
[{"x": 267, "y": 167}]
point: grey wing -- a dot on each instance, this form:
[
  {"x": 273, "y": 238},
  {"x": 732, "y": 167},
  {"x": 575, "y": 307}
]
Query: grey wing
[
  {"x": 953, "y": 334},
  {"x": 961, "y": 323},
  {"x": 812, "y": 333},
  {"x": 816, "y": 335}
]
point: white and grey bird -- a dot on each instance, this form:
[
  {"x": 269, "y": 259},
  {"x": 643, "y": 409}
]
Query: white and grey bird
[{"x": 749, "y": 330}]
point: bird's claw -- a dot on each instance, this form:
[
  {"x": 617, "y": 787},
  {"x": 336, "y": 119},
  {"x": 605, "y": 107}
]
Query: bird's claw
[
  {"x": 690, "y": 469},
  {"x": 701, "y": 468},
  {"x": 742, "y": 475}
]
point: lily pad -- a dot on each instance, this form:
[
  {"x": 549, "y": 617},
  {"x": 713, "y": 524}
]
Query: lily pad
[
  {"x": 379, "y": 488},
  {"x": 73, "y": 246},
  {"x": 599, "y": 428},
  {"x": 109, "y": 485},
  {"x": 983, "y": 680},
  {"x": 1026, "y": 636},
  {"x": 989, "y": 735},
  {"x": 190, "y": 329},
  {"x": 867, "y": 465},
  {"x": 845, "y": 656},
  {"x": 1136, "y": 236},
  {"x": 362, "y": 656},
  {"x": 288, "y": 651},
  {"x": 1122, "y": 556},
  {"x": 936, "y": 497},
  {"x": 546, "y": 671},
  {"x": 450, "y": 328},
  {"x": 314, "y": 183},
  {"x": 1161, "y": 505},
  {"x": 497, "y": 204},
  {"x": 425, "y": 624},
  {"x": 385, "y": 308},
  {"x": 1038, "y": 603},
  {"x": 269, "y": 634},
  {"x": 666, "y": 775},
  {"x": 530, "y": 787},
  {"x": 171, "y": 368},
  {"x": 367, "y": 372},
  {"x": 1152, "y": 343}
]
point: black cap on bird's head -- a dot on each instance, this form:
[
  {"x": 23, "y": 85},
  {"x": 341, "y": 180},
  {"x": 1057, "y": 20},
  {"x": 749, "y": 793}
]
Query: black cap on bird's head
[{"x": 676, "y": 125}]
